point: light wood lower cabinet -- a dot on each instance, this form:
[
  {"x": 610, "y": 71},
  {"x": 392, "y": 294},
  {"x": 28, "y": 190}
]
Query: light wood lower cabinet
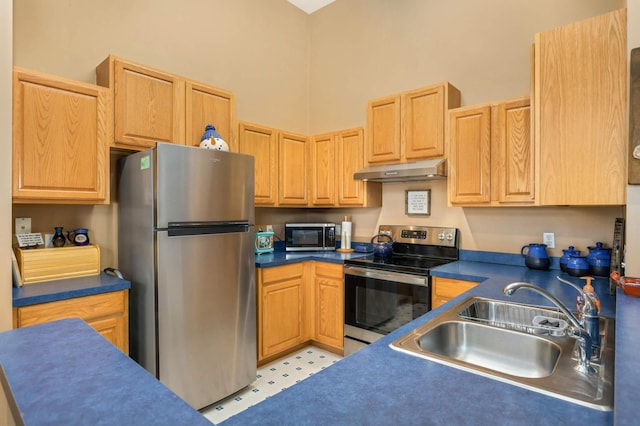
[
  {"x": 280, "y": 309},
  {"x": 328, "y": 289},
  {"x": 445, "y": 289},
  {"x": 298, "y": 304},
  {"x": 107, "y": 313}
]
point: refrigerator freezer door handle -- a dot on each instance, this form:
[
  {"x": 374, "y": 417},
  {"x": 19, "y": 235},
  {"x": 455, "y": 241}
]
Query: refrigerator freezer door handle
[{"x": 177, "y": 229}]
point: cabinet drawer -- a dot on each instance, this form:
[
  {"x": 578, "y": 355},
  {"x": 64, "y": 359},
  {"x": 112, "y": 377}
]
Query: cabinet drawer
[
  {"x": 88, "y": 308},
  {"x": 450, "y": 288},
  {"x": 280, "y": 273},
  {"x": 329, "y": 270}
]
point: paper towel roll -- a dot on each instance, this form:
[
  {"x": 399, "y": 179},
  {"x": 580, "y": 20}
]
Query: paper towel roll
[{"x": 345, "y": 242}]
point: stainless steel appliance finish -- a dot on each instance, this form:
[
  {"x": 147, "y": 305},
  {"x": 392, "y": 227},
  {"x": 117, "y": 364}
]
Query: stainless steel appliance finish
[
  {"x": 511, "y": 348},
  {"x": 185, "y": 241},
  {"x": 404, "y": 172},
  {"x": 310, "y": 236},
  {"x": 384, "y": 293}
]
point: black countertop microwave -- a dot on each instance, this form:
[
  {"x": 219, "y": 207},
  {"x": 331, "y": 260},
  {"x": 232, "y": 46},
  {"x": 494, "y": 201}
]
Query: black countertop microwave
[{"x": 310, "y": 236}]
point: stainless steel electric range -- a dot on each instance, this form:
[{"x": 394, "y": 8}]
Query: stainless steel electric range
[{"x": 384, "y": 293}]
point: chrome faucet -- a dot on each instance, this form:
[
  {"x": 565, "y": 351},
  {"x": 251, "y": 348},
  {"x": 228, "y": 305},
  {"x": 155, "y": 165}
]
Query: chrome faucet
[{"x": 586, "y": 332}]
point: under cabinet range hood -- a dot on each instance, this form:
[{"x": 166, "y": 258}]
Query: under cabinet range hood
[{"x": 404, "y": 172}]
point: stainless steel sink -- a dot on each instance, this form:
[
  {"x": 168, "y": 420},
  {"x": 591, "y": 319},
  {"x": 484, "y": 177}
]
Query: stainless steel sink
[
  {"x": 481, "y": 345},
  {"x": 516, "y": 343}
]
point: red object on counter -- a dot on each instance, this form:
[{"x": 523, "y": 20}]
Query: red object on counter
[{"x": 630, "y": 286}]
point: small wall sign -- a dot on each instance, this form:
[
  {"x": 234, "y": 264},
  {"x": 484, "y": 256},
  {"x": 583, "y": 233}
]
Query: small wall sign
[{"x": 418, "y": 202}]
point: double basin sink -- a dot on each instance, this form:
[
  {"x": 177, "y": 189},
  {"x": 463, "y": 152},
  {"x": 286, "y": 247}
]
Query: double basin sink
[{"x": 524, "y": 345}]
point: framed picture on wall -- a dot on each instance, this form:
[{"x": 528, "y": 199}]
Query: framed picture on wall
[{"x": 418, "y": 202}]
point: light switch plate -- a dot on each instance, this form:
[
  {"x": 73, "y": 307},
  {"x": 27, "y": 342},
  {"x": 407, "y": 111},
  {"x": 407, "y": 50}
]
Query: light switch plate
[{"x": 23, "y": 225}]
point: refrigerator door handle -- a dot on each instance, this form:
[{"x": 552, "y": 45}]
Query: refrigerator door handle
[{"x": 177, "y": 229}]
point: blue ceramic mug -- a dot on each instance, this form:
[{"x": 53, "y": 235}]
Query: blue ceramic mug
[{"x": 79, "y": 237}]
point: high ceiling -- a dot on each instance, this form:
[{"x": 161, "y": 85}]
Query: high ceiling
[{"x": 310, "y": 6}]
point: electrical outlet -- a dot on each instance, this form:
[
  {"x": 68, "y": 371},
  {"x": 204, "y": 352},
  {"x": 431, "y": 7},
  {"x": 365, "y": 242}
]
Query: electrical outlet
[
  {"x": 269, "y": 228},
  {"x": 23, "y": 225},
  {"x": 549, "y": 238}
]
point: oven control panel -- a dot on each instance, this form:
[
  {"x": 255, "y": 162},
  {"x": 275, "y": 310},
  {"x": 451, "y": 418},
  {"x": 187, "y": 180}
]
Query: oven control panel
[{"x": 424, "y": 235}]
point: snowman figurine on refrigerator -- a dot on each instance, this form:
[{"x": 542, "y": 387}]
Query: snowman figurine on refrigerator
[{"x": 212, "y": 139}]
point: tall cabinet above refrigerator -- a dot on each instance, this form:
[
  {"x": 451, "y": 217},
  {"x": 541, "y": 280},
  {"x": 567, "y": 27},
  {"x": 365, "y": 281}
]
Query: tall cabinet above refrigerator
[{"x": 185, "y": 241}]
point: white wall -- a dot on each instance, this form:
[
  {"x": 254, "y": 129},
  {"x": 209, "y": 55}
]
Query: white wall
[{"x": 6, "y": 37}]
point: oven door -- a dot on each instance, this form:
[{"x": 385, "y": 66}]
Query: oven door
[{"x": 377, "y": 302}]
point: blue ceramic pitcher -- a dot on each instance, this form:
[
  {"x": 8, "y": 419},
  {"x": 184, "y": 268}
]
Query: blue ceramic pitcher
[{"x": 536, "y": 256}]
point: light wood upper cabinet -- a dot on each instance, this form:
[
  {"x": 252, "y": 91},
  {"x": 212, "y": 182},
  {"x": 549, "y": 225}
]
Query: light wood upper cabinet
[
  {"x": 293, "y": 179},
  {"x": 261, "y": 142},
  {"x": 470, "y": 155},
  {"x": 323, "y": 170},
  {"x": 424, "y": 117},
  {"x": 409, "y": 126},
  {"x": 60, "y": 147},
  {"x": 581, "y": 112},
  {"x": 512, "y": 152},
  {"x": 383, "y": 130},
  {"x": 335, "y": 157},
  {"x": 209, "y": 105},
  {"x": 148, "y": 104},
  {"x": 156, "y": 106},
  {"x": 491, "y": 154},
  {"x": 350, "y": 156}
]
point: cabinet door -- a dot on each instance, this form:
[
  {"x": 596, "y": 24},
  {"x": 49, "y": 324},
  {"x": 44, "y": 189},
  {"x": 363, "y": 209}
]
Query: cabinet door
[
  {"x": 107, "y": 313},
  {"x": 208, "y": 105},
  {"x": 470, "y": 155},
  {"x": 581, "y": 112},
  {"x": 60, "y": 147},
  {"x": 445, "y": 289},
  {"x": 350, "y": 156},
  {"x": 423, "y": 116},
  {"x": 383, "y": 130},
  {"x": 293, "y": 154},
  {"x": 329, "y": 305},
  {"x": 281, "y": 303},
  {"x": 323, "y": 170},
  {"x": 261, "y": 142},
  {"x": 149, "y": 106},
  {"x": 512, "y": 156}
]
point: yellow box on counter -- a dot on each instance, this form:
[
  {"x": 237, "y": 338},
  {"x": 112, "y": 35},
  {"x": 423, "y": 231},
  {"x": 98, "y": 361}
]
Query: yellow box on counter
[{"x": 47, "y": 264}]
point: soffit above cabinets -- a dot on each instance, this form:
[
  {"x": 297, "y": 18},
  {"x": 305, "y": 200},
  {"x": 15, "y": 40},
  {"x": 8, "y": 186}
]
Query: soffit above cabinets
[{"x": 310, "y": 6}]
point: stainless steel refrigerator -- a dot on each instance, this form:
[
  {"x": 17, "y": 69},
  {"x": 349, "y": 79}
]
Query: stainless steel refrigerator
[{"x": 185, "y": 241}]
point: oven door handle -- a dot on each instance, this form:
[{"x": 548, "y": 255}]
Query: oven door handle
[{"x": 387, "y": 276}]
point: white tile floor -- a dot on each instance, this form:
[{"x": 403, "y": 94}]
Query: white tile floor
[{"x": 272, "y": 378}]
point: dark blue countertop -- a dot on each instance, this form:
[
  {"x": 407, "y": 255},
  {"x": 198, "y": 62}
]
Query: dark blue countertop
[
  {"x": 48, "y": 370},
  {"x": 52, "y": 291},
  {"x": 378, "y": 385},
  {"x": 65, "y": 373},
  {"x": 277, "y": 258}
]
